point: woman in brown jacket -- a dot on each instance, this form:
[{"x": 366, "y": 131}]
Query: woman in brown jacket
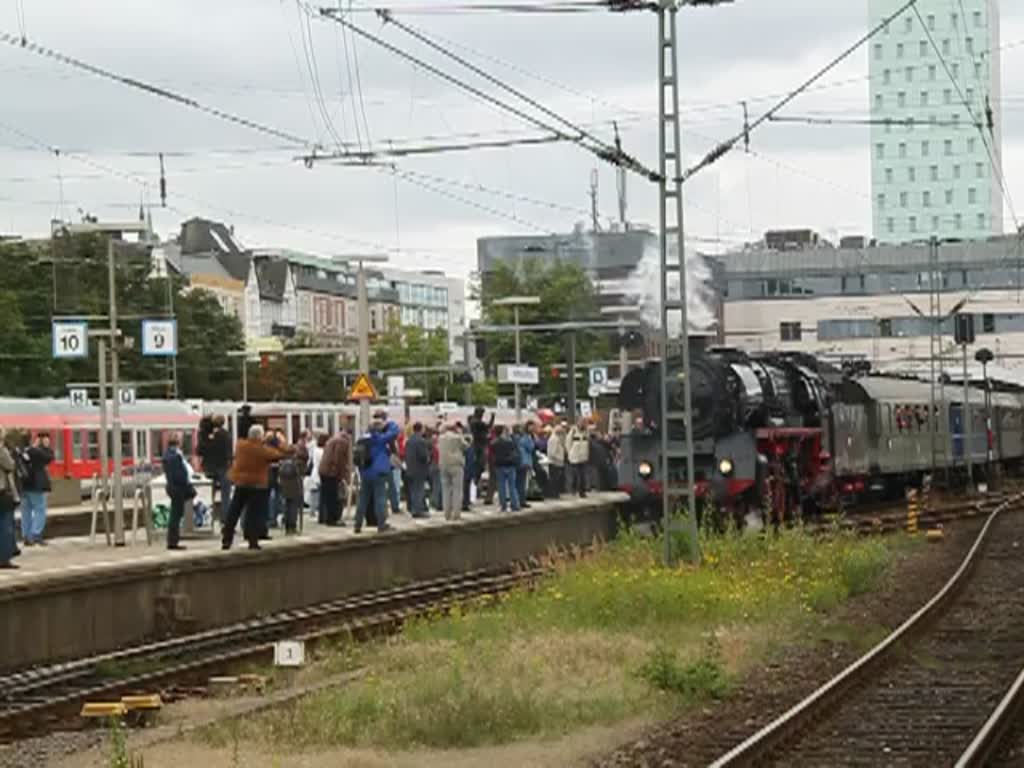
[{"x": 250, "y": 474}]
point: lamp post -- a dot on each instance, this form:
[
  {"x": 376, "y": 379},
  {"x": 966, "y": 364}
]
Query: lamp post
[
  {"x": 363, "y": 303},
  {"x": 516, "y": 302},
  {"x": 985, "y": 356}
]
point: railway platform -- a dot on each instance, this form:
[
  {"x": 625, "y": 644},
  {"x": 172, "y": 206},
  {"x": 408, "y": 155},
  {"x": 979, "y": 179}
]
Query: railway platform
[{"x": 74, "y": 598}]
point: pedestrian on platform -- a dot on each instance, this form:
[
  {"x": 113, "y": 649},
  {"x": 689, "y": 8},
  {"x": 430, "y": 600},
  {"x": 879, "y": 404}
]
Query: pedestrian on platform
[
  {"x": 8, "y": 501},
  {"x": 179, "y": 488},
  {"x": 394, "y": 478},
  {"x": 480, "y": 432},
  {"x": 216, "y": 463},
  {"x": 467, "y": 473},
  {"x": 275, "y": 503},
  {"x": 488, "y": 458},
  {"x": 374, "y": 464},
  {"x": 602, "y": 462},
  {"x": 579, "y": 457},
  {"x": 316, "y": 454},
  {"x": 527, "y": 448},
  {"x": 37, "y": 458},
  {"x": 452, "y": 448},
  {"x": 417, "y": 463},
  {"x": 335, "y": 468},
  {"x": 506, "y": 462},
  {"x": 436, "y": 492},
  {"x": 250, "y": 474},
  {"x": 290, "y": 475},
  {"x": 557, "y": 458}
]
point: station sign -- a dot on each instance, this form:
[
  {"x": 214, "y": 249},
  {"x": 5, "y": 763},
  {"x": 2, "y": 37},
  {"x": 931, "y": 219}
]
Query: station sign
[
  {"x": 126, "y": 395},
  {"x": 503, "y": 404},
  {"x": 598, "y": 376},
  {"x": 586, "y": 411},
  {"x": 532, "y": 404},
  {"x": 159, "y": 338},
  {"x": 396, "y": 387},
  {"x": 78, "y": 398},
  {"x": 518, "y": 374},
  {"x": 362, "y": 389},
  {"x": 70, "y": 339}
]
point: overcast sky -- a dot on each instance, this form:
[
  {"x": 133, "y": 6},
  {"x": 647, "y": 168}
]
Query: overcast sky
[{"x": 259, "y": 59}]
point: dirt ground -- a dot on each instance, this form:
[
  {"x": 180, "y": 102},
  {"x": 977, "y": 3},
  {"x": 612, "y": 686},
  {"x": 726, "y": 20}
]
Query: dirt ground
[
  {"x": 692, "y": 740},
  {"x": 577, "y": 749}
]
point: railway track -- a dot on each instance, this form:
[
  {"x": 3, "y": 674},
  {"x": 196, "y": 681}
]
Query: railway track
[
  {"x": 922, "y": 696},
  {"x": 47, "y": 698}
]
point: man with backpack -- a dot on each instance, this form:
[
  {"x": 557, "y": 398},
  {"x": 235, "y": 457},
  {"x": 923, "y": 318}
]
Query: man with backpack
[
  {"x": 290, "y": 477},
  {"x": 335, "y": 467},
  {"x": 373, "y": 461},
  {"x": 34, "y": 477}
]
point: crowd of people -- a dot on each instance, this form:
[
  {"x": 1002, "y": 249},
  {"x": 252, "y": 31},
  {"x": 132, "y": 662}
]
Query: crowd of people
[
  {"x": 443, "y": 468},
  {"x": 264, "y": 483}
]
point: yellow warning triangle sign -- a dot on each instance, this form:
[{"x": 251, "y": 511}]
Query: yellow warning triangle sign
[{"x": 362, "y": 389}]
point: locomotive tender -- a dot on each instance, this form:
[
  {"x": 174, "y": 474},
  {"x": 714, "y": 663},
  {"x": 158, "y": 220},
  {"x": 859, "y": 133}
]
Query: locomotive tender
[{"x": 785, "y": 433}]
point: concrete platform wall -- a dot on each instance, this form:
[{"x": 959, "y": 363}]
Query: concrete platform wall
[{"x": 64, "y": 618}]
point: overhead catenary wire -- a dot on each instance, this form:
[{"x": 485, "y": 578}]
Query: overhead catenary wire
[
  {"x": 996, "y": 166},
  {"x": 164, "y": 93},
  {"x": 582, "y": 139},
  {"x": 359, "y": 87},
  {"x": 722, "y": 149},
  {"x": 904, "y": 122}
]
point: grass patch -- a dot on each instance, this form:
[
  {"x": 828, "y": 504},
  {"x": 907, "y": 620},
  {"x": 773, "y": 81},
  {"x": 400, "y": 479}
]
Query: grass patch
[{"x": 607, "y": 639}]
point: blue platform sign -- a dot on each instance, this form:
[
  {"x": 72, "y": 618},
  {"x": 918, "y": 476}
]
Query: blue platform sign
[
  {"x": 70, "y": 339},
  {"x": 159, "y": 338}
]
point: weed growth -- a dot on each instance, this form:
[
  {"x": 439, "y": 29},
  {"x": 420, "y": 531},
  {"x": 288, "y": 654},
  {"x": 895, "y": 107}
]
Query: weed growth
[{"x": 611, "y": 637}]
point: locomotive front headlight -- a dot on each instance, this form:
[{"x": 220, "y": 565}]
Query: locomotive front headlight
[
  {"x": 725, "y": 467},
  {"x": 645, "y": 470}
]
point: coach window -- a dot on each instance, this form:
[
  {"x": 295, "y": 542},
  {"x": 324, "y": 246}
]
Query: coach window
[
  {"x": 156, "y": 443},
  {"x": 93, "y": 450},
  {"x": 186, "y": 443},
  {"x": 57, "y": 441},
  {"x": 76, "y": 445}
]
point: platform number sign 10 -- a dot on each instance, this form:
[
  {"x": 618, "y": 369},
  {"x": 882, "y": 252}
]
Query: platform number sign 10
[
  {"x": 159, "y": 338},
  {"x": 70, "y": 340}
]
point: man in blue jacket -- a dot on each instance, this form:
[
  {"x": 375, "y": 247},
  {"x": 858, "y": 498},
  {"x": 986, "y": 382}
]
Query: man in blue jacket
[
  {"x": 179, "y": 488},
  {"x": 372, "y": 458}
]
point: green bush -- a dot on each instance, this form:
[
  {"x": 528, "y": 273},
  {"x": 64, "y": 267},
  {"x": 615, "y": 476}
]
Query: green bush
[{"x": 701, "y": 679}]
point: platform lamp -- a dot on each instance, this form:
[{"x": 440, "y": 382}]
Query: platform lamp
[{"x": 985, "y": 356}]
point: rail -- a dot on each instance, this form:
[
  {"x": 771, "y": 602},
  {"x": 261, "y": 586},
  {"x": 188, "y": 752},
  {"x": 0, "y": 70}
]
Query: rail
[
  {"x": 788, "y": 724},
  {"x": 990, "y": 738}
]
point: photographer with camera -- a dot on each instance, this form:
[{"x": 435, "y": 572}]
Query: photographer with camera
[{"x": 372, "y": 458}]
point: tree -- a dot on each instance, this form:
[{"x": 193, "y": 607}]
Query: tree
[
  {"x": 566, "y": 294},
  {"x": 409, "y": 346},
  {"x": 314, "y": 378},
  {"x": 68, "y": 276}
]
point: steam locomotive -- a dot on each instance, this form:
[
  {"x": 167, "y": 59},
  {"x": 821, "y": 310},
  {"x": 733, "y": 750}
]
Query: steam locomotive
[{"x": 782, "y": 433}]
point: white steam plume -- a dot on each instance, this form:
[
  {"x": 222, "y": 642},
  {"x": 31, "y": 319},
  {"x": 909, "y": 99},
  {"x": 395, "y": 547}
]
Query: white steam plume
[{"x": 644, "y": 287}]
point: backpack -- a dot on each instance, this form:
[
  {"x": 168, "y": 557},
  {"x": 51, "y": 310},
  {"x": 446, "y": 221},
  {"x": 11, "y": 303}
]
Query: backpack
[
  {"x": 362, "y": 456},
  {"x": 22, "y": 467},
  {"x": 287, "y": 470}
]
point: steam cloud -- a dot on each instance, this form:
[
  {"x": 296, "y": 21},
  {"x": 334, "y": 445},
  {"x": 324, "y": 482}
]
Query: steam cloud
[{"x": 643, "y": 286}]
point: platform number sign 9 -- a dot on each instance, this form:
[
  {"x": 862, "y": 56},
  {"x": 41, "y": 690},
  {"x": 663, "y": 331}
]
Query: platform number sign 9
[
  {"x": 70, "y": 340},
  {"x": 159, "y": 338}
]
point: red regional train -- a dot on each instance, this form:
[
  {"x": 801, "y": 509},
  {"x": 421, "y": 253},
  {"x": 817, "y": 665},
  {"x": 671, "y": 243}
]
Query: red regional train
[{"x": 75, "y": 431}]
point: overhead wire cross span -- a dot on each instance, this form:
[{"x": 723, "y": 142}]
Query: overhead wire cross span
[{"x": 567, "y": 131}]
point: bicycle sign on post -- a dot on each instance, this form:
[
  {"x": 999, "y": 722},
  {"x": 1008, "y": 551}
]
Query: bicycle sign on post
[
  {"x": 70, "y": 339},
  {"x": 159, "y": 338}
]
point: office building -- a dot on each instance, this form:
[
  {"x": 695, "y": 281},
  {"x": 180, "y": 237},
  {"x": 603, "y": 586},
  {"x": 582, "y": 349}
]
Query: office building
[{"x": 936, "y": 124}]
